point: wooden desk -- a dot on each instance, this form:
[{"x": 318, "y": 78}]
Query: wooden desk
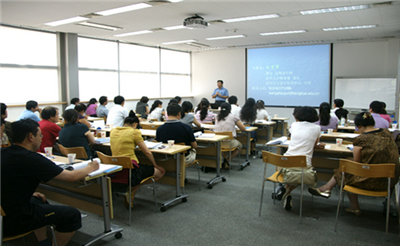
[
  {"x": 280, "y": 121},
  {"x": 325, "y": 160},
  {"x": 347, "y": 128},
  {"x": 94, "y": 118},
  {"x": 154, "y": 125},
  {"x": 171, "y": 165},
  {"x": 265, "y": 131},
  {"x": 343, "y": 135},
  {"x": 92, "y": 197},
  {"x": 208, "y": 153}
]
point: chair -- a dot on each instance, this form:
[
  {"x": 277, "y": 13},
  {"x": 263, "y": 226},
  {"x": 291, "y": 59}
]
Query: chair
[
  {"x": 79, "y": 151},
  {"x": 196, "y": 162},
  {"x": 126, "y": 163},
  {"x": 149, "y": 127},
  {"x": 225, "y": 149},
  {"x": 298, "y": 161},
  {"x": 368, "y": 171},
  {"x": 5, "y": 239}
]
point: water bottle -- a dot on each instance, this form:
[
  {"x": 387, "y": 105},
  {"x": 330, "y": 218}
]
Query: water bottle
[
  {"x": 342, "y": 121},
  {"x": 98, "y": 132}
]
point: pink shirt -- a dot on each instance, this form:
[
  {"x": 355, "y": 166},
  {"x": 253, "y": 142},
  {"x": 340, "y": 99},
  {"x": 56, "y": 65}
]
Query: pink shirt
[
  {"x": 91, "y": 109},
  {"x": 386, "y": 117}
]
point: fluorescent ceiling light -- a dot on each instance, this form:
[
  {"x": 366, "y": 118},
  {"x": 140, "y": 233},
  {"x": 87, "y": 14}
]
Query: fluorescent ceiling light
[
  {"x": 100, "y": 26},
  {"x": 283, "y": 32},
  {"x": 347, "y": 28},
  {"x": 257, "y": 17},
  {"x": 226, "y": 37},
  {"x": 169, "y": 28},
  {"x": 124, "y": 9},
  {"x": 331, "y": 10},
  {"x": 66, "y": 21},
  {"x": 181, "y": 42},
  {"x": 133, "y": 33}
]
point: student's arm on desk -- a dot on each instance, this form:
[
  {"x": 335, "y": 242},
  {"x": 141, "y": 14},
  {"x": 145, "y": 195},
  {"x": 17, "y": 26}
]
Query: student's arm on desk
[
  {"x": 357, "y": 153},
  {"x": 196, "y": 122},
  {"x": 85, "y": 122},
  {"x": 193, "y": 144},
  {"x": 149, "y": 155},
  {"x": 90, "y": 137},
  {"x": 319, "y": 145},
  {"x": 241, "y": 126},
  {"x": 79, "y": 174}
]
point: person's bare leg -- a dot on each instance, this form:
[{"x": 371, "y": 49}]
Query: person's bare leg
[
  {"x": 63, "y": 237},
  {"x": 353, "y": 201},
  {"x": 233, "y": 154},
  {"x": 41, "y": 233},
  {"x": 328, "y": 186}
]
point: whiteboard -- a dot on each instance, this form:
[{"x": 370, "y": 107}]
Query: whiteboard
[{"x": 360, "y": 92}]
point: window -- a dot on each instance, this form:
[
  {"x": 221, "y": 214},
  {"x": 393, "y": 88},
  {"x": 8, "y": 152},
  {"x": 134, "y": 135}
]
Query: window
[{"x": 175, "y": 73}]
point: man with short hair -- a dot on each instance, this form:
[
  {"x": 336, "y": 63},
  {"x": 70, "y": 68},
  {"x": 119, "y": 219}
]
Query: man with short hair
[
  {"x": 220, "y": 94},
  {"x": 173, "y": 129},
  {"x": 235, "y": 109},
  {"x": 375, "y": 108},
  {"x": 74, "y": 101},
  {"x": 338, "y": 109},
  {"x": 101, "y": 110},
  {"x": 117, "y": 114},
  {"x": 22, "y": 169},
  {"x": 48, "y": 126},
  {"x": 29, "y": 112}
]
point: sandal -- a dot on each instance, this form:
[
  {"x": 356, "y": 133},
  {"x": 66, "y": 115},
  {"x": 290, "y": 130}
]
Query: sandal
[{"x": 357, "y": 212}]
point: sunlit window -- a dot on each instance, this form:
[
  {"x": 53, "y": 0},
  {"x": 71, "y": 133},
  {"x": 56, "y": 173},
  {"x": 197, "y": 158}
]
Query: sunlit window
[
  {"x": 99, "y": 54},
  {"x": 138, "y": 58},
  {"x": 96, "y": 84}
]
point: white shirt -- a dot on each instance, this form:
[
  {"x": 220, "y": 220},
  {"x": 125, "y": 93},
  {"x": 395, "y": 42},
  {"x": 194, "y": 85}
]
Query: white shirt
[
  {"x": 226, "y": 125},
  {"x": 71, "y": 106},
  {"x": 235, "y": 110},
  {"x": 155, "y": 114},
  {"x": 261, "y": 114},
  {"x": 303, "y": 137},
  {"x": 117, "y": 115}
]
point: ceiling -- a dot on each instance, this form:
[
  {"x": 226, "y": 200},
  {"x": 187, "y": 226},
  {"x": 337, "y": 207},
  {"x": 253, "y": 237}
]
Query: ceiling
[{"x": 33, "y": 13}]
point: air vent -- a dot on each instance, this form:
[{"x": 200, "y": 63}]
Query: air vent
[{"x": 198, "y": 45}]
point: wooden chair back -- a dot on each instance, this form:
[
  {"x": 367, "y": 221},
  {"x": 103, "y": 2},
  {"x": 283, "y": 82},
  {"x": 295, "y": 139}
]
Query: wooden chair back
[
  {"x": 149, "y": 127},
  {"x": 124, "y": 161},
  {"x": 105, "y": 119},
  {"x": 79, "y": 151},
  {"x": 367, "y": 170},
  {"x": 284, "y": 161},
  {"x": 227, "y": 133}
]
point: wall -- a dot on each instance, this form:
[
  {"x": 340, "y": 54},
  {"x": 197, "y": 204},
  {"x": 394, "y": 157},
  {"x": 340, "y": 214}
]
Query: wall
[{"x": 369, "y": 59}]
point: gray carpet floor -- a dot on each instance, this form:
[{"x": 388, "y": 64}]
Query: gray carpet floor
[{"x": 228, "y": 215}]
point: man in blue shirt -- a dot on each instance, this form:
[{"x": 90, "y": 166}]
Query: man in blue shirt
[
  {"x": 220, "y": 94},
  {"x": 29, "y": 112}
]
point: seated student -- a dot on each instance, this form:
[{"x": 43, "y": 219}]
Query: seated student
[
  {"x": 22, "y": 169},
  {"x": 101, "y": 110},
  {"x": 203, "y": 115},
  {"x": 384, "y": 114},
  {"x": 156, "y": 111},
  {"x": 3, "y": 136},
  {"x": 173, "y": 100},
  {"x": 75, "y": 134},
  {"x": 91, "y": 107},
  {"x": 338, "y": 109},
  {"x": 198, "y": 107},
  {"x": 173, "y": 129},
  {"x": 186, "y": 116},
  {"x": 74, "y": 101},
  {"x": 235, "y": 109},
  {"x": 226, "y": 121},
  {"x": 123, "y": 141},
  {"x": 142, "y": 107},
  {"x": 375, "y": 108},
  {"x": 117, "y": 114},
  {"x": 304, "y": 138},
  {"x": 29, "y": 112},
  {"x": 262, "y": 113},
  {"x": 248, "y": 113},
  {"x": 4, "y": 115},
  {"x": 81, "y": 108},
  {"x": 373, "y": 146},
  {"x": 179, "y": 99},
  {"x": 49, "y": 127},
  {"x": 326, "y": 121}
]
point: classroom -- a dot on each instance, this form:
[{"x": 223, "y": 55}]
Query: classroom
[{"x": 79, "y": 60}]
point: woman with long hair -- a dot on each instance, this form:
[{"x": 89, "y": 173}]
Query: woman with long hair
[
  {"x": 262, "y": 113},
  {"x": 123, "y": 141},
  {"x": 248, "y": 113},
  {"x": 91, "y": 107},
  {"x": 326, "y": 121},
  {"x": 225, "y": 121},
  {"x": 186, "y": 116},
  {"x": 203, "y": 115},
  {"x": 156, "y": 111}
]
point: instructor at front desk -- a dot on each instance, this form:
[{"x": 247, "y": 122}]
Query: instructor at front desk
[{"x": 220, "y": 94}]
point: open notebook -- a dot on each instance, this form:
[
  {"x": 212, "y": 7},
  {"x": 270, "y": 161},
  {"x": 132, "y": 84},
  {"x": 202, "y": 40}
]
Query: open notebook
[{"x": 104, "y": 168}]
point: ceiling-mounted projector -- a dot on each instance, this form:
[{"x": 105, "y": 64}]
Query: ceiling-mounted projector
[{"x": 195, "y": 22}]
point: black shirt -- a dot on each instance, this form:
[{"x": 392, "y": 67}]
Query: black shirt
[
  {"x": 73, "y": 135},
  {"x": 21, "y": 172},
  {"x": 175, "y": 130}
]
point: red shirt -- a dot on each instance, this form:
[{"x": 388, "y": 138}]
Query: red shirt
[{"x": 50, "y": 132}]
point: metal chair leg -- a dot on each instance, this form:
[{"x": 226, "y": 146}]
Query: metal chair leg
[
  {"x": 54, "y": 236},
  {"x": 155, "y": 194}
]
